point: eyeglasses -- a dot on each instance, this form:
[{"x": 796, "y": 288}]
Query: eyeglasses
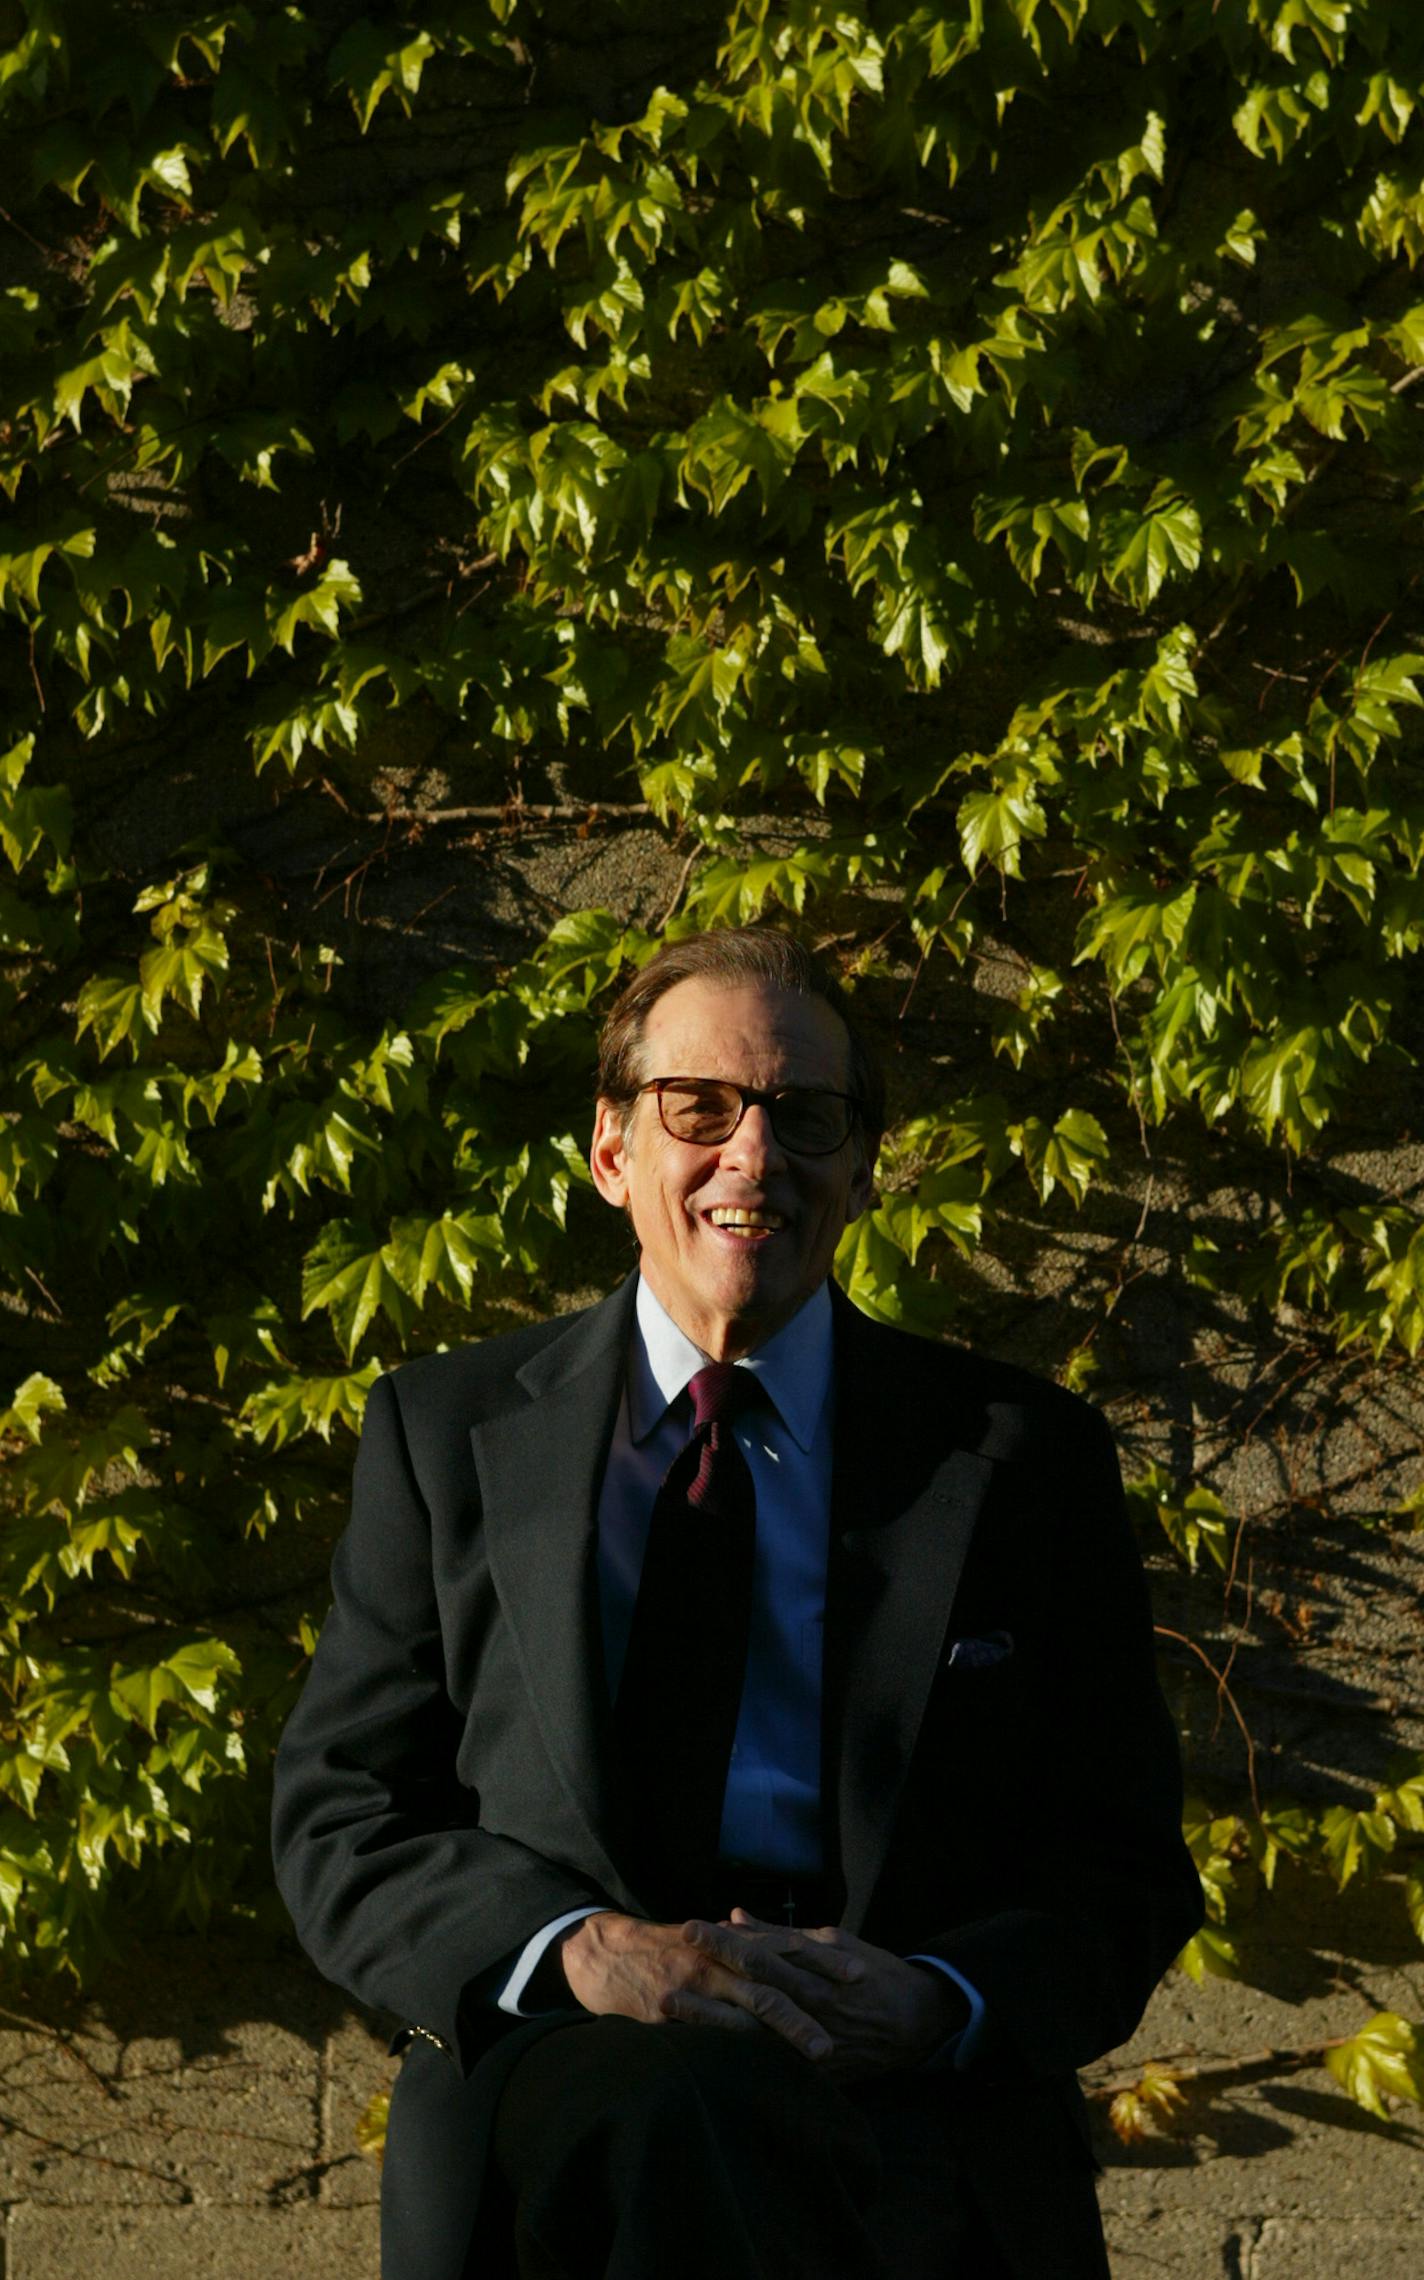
[{"x": 705, "y": 1110}]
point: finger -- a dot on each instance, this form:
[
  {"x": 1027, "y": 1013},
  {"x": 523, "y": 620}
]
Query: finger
[
  {"x": 746, "y": 1921},
  {"x": 741, "y": 1956},
  {"x": 829, "y": 1962},
  {"x": 764, "y": 2004},
  {"x": 696, "y": 2010},
  {"x": 751, "y": 1956},
  {"x": 732, "y": 1944},
  {"x": 785, "y": 2018},
  {"x": 825, "y": 1935},
  {"x": 773, "y": 1953}
]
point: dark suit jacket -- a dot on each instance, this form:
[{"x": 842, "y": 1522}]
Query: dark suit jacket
[{"x": 447, "y": 1783}]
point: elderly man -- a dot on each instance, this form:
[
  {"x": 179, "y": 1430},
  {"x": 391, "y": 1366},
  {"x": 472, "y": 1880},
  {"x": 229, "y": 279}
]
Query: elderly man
[{"x": 734, "y": 1749}]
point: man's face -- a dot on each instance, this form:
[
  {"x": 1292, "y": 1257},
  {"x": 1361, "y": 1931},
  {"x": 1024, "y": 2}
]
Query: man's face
[{"x": 730, "y": 1287}]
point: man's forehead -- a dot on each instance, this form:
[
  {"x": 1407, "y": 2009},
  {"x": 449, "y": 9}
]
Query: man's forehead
[{"x": 735, "y": 1030}]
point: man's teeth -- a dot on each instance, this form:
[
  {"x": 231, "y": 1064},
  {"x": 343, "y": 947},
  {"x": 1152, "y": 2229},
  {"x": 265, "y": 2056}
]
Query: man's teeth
[{"x": 728, "y": 1215}]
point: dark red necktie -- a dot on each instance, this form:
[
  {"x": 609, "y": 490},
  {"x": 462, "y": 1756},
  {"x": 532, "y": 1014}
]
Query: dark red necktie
[{"x": 681, "y": 1688}]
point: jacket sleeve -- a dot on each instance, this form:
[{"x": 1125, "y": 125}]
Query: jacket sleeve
[
  {"x": 1103, "y": 1890},
  {"x": 396, "y": 1892}
]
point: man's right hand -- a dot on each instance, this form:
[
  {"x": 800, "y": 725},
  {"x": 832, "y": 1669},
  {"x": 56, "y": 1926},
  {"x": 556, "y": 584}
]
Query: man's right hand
[{"x": 648, "y": 1971}]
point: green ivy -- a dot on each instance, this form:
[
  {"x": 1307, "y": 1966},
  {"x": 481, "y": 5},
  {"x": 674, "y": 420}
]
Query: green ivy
[{"x": 955, "y": 470}]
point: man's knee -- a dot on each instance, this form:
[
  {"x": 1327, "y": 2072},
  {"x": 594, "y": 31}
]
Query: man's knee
[
  {"x": 685, "y": 2148},
  {"x": 611, "y": 2081}
]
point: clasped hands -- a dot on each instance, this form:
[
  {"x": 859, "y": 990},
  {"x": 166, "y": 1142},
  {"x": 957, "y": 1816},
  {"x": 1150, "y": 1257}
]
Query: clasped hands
[{"x": 850, "y": 2007}]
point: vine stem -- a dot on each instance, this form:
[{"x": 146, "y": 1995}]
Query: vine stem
[
  {"x": 66, "y": 2044},
  {"x": 514, "y": 812},
  {"x": 675, "y": 898},
  {"x": 1285, "y": 2059},
  {"x": 1163, "y": 1631}
]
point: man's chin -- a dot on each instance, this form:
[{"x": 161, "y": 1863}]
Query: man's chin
[{"x": 756, "y": 1306}]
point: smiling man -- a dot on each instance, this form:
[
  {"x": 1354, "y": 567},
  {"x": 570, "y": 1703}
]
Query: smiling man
[
  {"x": 662, "y": 1759},
  {"x": 741, "y": 1167}
]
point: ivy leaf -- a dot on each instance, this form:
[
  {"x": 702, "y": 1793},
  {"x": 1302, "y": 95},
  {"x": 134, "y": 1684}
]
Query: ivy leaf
[
  {"x": 307, "y": 1141},
  {"x": 318, "y": 606},
  {"x": 191, "y": 1673},
  {"x": 1385, "y": 2060},
  {"x": 117, "y": 1010},
  {"x": 372, "y": 2125},
  {"x": 1282, "y": 1829},
  {"x": 287, "y": 1407},
  {"x": 181, "y": 968},
  {"x": 994, "y": 825},
  {"x": 1154, "y": 2103},
  {"x": 59, "y": 1474},
  {"x": 1134, "y": 927},
  {"x": 1284, "y": 1082},
  {"x": 592, "y": 946},
  {"x": 118, "y": 1533},
  {"x": 1028, "y": 527},
  {"x": 1140, "y": 550},
  {"x": 199, "y": 1667},
  {"x": 196, "y": 1752},
  {"x": 449, "y": 1252},
  {"x": 236, "y": 619},
  {"x": 365, "y": 61},
  {"x": 874, "y": 1272},
  {"x": 700, "y": 684},
  {"x": 945, "y": 1201},
  {"x": 1209, "y": 1954},
  {"x": 1403, "y": 1801},
  {"x": 30, "y": 814},
  {"x": 22, "y": 1770},
  {"x": 730, "y": 447},
  {"x": 923, "y": 613},
  {"x": 353, "y": 1276},
  {"x": 1068, "y": 1156},
  {"x": 1018, "y": 1023},
  {"x": 1192, "y": 1524},
  {"x": 732, "y": 893},
  {"x": 147, "y": 1313},
  {"x": 33, "y": 1397},
  {"x": 1355, "y": 1842},
  {"x": 122, "y": 359}
]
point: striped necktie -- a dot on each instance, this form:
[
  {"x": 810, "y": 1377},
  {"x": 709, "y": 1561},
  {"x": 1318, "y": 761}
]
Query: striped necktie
[{"x": 681, "y": 1688}]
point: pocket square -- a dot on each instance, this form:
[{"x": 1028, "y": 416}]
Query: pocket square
[{"x": 980, "y": 1654}]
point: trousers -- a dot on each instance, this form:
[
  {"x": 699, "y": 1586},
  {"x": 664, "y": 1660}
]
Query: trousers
[{"x": 630, "y": 2152}]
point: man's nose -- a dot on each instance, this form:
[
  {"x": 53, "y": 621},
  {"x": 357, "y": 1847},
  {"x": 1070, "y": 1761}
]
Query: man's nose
[{"x": 753, "y": 1148}]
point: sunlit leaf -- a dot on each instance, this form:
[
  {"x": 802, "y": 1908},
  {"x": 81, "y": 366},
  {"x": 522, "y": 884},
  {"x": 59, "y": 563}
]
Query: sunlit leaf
[{"x": 1384, "y": 2061}]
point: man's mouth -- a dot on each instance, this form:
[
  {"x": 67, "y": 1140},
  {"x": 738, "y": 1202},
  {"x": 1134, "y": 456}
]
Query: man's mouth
[{"x": 738, "y": 1219}]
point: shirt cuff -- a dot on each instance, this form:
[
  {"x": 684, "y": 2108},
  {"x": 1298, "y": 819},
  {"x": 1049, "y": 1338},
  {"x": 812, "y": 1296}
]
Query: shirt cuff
[
  {"x": 958, "y": 2052},
  {"x": 532, "y": 1954}
]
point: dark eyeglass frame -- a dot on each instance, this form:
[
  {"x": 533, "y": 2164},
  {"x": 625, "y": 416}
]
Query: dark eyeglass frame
[{"x": 750, "y": 1097}]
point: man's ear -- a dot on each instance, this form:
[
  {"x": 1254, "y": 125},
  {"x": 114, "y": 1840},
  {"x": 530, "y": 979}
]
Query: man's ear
[{"x": 608, "y": 1155}]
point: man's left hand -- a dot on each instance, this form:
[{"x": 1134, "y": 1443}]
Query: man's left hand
[{"x": 891, "y": 2014}]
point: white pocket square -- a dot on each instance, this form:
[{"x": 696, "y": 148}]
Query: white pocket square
[{"x": 980, "y": 1654}]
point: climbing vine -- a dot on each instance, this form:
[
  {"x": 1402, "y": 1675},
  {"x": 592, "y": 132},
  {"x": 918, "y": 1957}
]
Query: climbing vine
[{"x": 947, "y": 475}]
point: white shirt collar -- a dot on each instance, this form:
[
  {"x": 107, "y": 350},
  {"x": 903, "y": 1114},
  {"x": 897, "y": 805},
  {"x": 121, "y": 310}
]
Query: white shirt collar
[{"x": 793, "y": 1367}]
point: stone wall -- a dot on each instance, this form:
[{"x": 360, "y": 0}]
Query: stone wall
[{"x": 196, "y": 2116}]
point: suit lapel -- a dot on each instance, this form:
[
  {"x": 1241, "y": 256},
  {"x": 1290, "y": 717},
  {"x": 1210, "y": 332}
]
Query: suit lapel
[
  {"x": 904, "y": 1502},
  {"x": 540, "y": 1465}
]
